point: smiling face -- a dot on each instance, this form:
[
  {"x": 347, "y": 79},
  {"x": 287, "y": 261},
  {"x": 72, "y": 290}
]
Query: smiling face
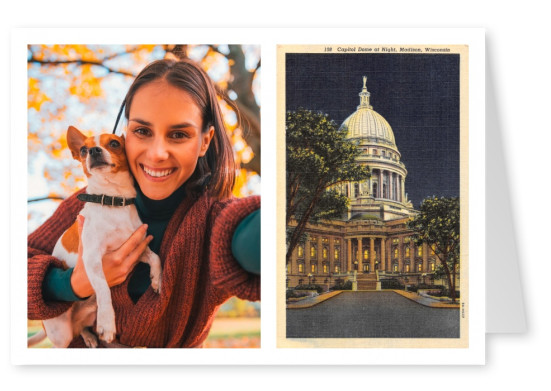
[{"x": 164, "y": 138}]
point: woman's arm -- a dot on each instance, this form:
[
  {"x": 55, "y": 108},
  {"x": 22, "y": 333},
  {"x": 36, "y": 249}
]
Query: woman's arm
[
  {"x": 40, "y": 245},
  {"x": 246, "y": 243},
  {"x": 228, "y": 275}
]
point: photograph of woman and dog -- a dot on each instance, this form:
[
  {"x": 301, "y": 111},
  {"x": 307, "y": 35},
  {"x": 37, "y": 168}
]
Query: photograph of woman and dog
[{"x": 155, "y": 228}]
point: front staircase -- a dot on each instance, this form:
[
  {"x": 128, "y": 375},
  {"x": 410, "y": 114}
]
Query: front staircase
[{"x": 367, "y": 281}]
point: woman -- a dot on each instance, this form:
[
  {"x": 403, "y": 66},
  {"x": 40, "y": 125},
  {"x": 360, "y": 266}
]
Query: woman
[{"x": 181, "y": 159}]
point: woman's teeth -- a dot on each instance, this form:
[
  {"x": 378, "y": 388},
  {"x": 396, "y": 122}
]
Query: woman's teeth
[{"x": 159, "y": 173}]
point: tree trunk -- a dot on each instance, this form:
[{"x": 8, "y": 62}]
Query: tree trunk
[
  {"x": 242, "y": 83},
  {"x": 301, "y": 225},
  {"x": 451, "y": 283},
  {"x": 453, "y": 275}
]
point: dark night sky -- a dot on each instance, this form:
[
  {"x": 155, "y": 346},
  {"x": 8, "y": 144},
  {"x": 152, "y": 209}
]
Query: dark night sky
[{"x": 418, "y": 94}]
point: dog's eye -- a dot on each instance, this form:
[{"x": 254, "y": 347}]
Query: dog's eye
[
  {"x": 114, "y": 144},
  {"x": 83, "y": 151}
]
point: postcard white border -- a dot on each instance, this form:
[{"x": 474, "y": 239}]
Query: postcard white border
[{"x": 268, "y": 38}]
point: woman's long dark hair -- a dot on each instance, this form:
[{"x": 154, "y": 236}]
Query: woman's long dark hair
[{"x": 216, "y": 169}]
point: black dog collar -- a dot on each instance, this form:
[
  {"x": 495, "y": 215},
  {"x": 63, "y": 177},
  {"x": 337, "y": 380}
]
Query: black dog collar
[{"x": 106, "y": 200}]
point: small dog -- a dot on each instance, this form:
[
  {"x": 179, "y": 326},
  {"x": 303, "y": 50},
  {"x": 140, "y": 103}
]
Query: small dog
[{"x": 110, "y": 218}]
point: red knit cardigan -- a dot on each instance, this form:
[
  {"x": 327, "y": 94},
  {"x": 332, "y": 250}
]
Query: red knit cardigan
[{"x": 199, "y": 274}]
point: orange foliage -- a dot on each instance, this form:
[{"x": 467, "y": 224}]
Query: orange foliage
[
  {"x": 36, "y": 97},
  {"x": 89, "y": 86}
]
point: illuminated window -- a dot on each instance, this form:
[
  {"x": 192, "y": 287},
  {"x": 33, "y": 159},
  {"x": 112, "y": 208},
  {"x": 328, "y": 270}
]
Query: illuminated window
[
  {"x": 395, "y": 267},
  {"x": 337, "y": 241},
  {"x": 301, "y": 268},
  {"x": 337, "y": 250},
  {"x": 337, "y": 269},
  {"x": 312, "y": 251},
  {"x": 420, "y": 267},
  {"x": 300, "y": 251},
  {"x": 366, "y": 254},
  {"x": 406, "y": 240},
  {"x": 420, "y": 251},
  {"x": 407, "y": 268},
  {"x": 432, "y": 267},
  {"x": 366, "y": 267},
  {"x": 324, "y": 251},
  {"x": 395, "y": 241},
  {"x": 396, "y": 253},
  {"x": 407, "y": 251},
  {"x": 432, "y": 250},
  {"x": 313, "y": 267},
  {"x": 325, "y": 268}
]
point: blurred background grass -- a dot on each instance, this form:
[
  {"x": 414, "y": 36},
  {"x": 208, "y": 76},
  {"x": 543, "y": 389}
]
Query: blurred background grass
[{"x": 237, "y": 325}]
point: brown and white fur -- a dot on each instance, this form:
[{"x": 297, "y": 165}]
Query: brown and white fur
[{"x": 105, "y": 228}]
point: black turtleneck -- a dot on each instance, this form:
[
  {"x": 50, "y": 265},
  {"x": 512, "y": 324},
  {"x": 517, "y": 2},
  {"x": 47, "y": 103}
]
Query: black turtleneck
[{"x": 156, "y": 214}]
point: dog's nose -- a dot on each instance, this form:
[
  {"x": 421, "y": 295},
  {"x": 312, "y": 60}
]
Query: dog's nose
[{"x": 95, "y": 151}]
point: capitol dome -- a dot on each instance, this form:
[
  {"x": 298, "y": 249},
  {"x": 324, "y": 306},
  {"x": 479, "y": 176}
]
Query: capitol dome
[
  {"x": 383, "y": 194},
  {"x": 368, "y": 125}
]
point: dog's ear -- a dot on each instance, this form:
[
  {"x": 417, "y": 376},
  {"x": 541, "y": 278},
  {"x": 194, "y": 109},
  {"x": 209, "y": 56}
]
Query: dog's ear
[{"x": 75, "y": 140}]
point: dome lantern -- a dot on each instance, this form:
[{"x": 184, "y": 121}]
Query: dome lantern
[{"x": 364, "y": 97}]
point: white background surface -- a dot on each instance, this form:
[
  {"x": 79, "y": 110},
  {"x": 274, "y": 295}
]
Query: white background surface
[{"x": 518, "y": 61}]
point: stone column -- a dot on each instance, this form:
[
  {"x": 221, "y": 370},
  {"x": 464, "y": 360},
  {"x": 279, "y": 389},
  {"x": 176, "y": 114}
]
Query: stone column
[
  {"x": 349, "y": 255},
  {"x": 401, "y": 253},
  {"x": 380, "y": 189},
  {"x": 383, "y": 253},
  {"x": 403, "y": 181},
  {"x": 425, "y": 257},
  {"x": 398, "y": 188},
  {"x": 399, "y": 183},
  {"x": 370, "y": 187},
  {"x": 412, "y": 251},
  {"x": 371, "y": 255},
  {"x": 395, "y": 186},
  {"x": 391, "y": 180},
  {"x": 331, "y": 254},
  {"x": 307, "y": 256},
  {"x": 360, "y": 255},
  {"x": 319, "y": 263}
]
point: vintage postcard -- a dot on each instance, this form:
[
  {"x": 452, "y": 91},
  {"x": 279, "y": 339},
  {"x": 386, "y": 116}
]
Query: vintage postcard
[{"x": 376, "y": 213}]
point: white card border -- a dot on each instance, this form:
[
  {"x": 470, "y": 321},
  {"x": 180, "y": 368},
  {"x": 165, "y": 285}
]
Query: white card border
[{"x": 268, "y": 38}]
